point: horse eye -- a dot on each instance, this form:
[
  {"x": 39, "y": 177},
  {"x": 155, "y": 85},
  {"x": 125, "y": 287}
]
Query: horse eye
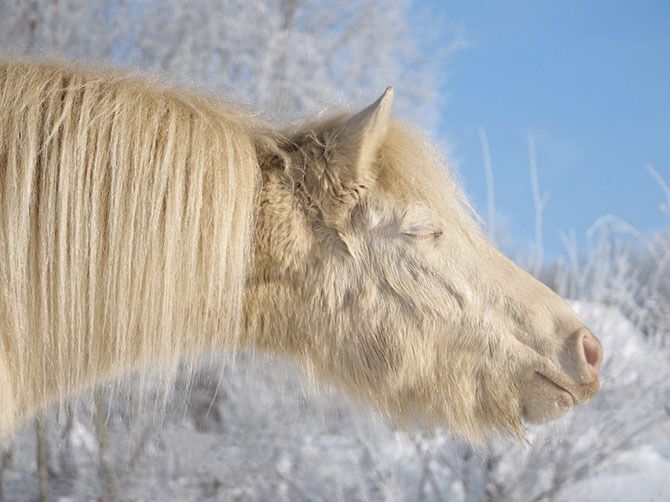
[{"x": 424, "y": 236}]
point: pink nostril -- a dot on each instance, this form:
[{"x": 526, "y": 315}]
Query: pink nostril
[
  {"x": 584, "y": 357},
  {"x": 592, "y": 349}
]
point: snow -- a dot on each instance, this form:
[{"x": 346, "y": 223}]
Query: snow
[
  {"x": 644, "y": 476},
  {"x": 644, "y": 472}
]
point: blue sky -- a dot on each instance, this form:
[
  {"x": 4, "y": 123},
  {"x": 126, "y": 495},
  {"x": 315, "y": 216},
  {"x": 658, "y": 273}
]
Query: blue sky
[{"x": 590, "y": 81}]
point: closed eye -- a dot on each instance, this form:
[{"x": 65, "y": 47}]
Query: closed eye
[{"x": 425, "y": 236}]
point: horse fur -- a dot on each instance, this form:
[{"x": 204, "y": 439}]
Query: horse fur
[{"x": 142, "y": 225}]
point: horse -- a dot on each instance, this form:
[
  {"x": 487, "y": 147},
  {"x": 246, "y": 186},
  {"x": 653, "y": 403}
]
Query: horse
[{"x": 142, "y": 225}]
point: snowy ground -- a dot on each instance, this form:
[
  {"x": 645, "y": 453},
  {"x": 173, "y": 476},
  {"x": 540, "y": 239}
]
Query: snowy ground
[
  {"x": 264, "y": 436},
  {"x": 642, "y": 474}
]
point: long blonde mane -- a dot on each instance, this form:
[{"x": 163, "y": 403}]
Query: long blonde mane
[{"x": 126, "y": 219}]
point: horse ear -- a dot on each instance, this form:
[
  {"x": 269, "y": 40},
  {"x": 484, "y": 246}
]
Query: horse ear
[
  {"x": 349, "y": 149},
  {"x": 354, "y": 143}
]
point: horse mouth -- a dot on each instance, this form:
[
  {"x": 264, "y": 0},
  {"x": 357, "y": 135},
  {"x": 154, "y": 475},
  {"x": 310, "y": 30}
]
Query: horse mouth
[{"x": 565, "y": 391}]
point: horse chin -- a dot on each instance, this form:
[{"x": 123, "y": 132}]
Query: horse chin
[{"x": 544, "y": 400}]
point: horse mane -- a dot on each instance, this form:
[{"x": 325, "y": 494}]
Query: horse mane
[{"x": 126, "y": 220}]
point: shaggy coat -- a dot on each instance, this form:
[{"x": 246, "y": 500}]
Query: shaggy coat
[{"x": 141, "y": 226}]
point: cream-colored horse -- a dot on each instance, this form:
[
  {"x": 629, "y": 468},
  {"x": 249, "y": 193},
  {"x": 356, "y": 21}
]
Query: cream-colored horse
[{"x": 141, "y": 225}]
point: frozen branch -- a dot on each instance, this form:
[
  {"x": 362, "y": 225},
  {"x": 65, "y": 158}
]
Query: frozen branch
[{"x": 539, "y": 202}]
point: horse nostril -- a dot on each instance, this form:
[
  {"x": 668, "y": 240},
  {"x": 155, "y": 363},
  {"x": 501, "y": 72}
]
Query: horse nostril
[
  {"x": 592, "y": 349},
  {"x": 592, "y": 352}
]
